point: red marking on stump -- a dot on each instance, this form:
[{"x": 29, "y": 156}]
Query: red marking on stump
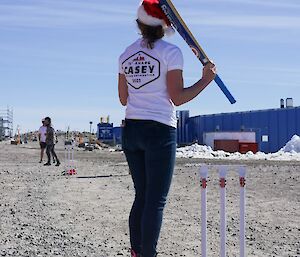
[
  {"x": 242, "y": 181},
  {"x": 222, "y": 182},
  {"x": 203, "y": 183}
]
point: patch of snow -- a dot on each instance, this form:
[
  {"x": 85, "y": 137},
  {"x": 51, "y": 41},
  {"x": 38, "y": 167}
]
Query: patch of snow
[
  {"x": 293, "y": 146},
  {"x": 290, "y": 152}
]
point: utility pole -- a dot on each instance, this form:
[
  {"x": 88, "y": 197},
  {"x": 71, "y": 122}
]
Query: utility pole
[{"x": 91, "y": 132}]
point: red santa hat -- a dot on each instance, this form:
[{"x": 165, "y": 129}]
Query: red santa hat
[{"x": 150, "y": 13}]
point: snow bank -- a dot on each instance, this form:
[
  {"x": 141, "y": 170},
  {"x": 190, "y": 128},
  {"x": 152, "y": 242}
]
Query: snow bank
[
  {"x": 293, "y": 146},
  {"x": 290, "y": 152}
]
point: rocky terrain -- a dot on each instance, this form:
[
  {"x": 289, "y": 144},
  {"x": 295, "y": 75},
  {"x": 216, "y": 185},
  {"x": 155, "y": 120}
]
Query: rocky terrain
[{"x": 43, "y": 213}]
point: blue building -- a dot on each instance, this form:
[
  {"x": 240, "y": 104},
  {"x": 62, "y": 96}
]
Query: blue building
[
  {"x": 117, "y": 131},
  {"x": 109, "y": 134},
  {"x": 273, "y": 128},
  {"x": 105, "y": 132}
]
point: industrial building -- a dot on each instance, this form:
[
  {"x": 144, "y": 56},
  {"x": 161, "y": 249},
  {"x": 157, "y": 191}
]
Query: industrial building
[
  {"x": 270, "y": 129},
  {"x": 107, "y": 133},
  {"x": 6, "y": 123}
]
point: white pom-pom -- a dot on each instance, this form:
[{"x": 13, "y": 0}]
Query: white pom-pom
[{"x": 169, "y": 31}]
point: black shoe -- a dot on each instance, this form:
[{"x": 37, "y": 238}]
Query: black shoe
[
  {"x": 54, "y": 161},
  {"x": 47, "y": 164},
  {"x": 57, "y": 163},
  {"x": 40, "y": 161}
]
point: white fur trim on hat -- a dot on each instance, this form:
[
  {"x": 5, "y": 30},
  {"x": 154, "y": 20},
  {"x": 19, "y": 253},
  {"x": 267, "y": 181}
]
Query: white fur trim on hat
[{"x": 149, "y": 20}]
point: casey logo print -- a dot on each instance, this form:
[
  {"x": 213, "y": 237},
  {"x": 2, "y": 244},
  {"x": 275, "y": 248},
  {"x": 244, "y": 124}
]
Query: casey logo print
[{"x": 141, "y": 69}]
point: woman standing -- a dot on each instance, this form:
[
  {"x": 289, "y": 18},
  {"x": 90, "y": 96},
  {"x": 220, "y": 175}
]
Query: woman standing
[{"x": 150, "y": 85}]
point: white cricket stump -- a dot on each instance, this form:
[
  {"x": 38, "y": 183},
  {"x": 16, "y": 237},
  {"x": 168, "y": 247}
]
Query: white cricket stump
[
  {"x": 69, "y": 158},
  {"x": 223, "y": 171},
  {"x": 203, "y": 179},
  {"x": 242, "y": 174},
  {"x": 222, "y": 176}
]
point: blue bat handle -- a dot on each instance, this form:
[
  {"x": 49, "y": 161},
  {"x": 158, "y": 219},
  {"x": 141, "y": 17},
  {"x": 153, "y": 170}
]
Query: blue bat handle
[{"x": 224, "y": 89}]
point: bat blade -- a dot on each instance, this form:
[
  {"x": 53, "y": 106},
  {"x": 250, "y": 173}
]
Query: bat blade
[{"x": 178, "y": 23}]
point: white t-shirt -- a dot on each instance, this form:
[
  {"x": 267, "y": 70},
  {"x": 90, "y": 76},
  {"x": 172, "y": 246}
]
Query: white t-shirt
[
  {"x": 146, "y": 74},
  {"x": 43, "y": 133}
]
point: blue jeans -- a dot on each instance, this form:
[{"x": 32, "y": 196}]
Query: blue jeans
[{"x": 150, "y": 149}]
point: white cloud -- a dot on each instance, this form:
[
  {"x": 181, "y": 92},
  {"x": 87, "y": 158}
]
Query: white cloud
[
  {"x": 247, "y": 21},
  {"x": 269, "y": 3},
  {"x": 289, "y": 4},
  {"x": 257, "y": 14},
  {"x": 60, "y": 14}
]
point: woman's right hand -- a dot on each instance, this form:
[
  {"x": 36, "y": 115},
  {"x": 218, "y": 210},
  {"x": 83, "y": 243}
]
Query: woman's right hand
[{"x": 209, "y": 73}]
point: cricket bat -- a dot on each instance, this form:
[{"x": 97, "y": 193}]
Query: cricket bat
[{"x": 178, "y": 23}]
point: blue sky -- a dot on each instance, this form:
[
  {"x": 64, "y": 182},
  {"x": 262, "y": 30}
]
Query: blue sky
[{"x": 60, "y": 57}]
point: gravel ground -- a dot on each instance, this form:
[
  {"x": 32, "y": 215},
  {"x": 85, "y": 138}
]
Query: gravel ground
[{"x": 43, "y": 213}]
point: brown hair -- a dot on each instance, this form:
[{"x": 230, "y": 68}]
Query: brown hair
[{"x": 151, "y": 33}]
